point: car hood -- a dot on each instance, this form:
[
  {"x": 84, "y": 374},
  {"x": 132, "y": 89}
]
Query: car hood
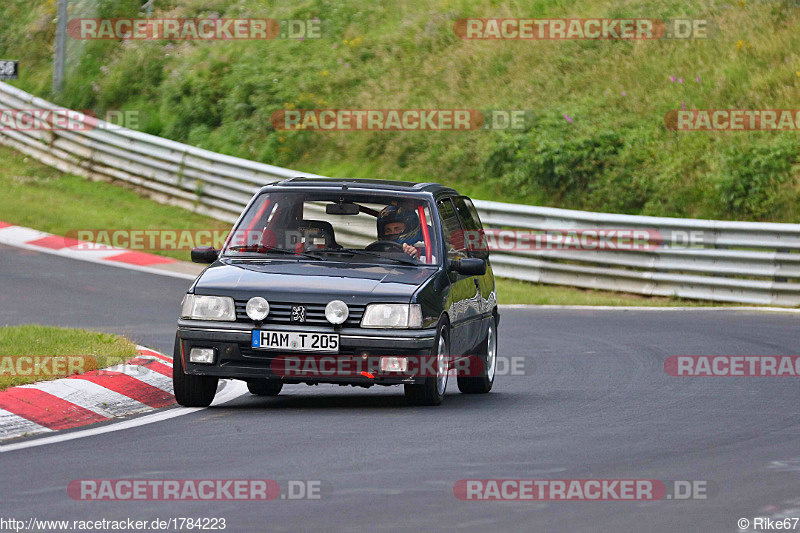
[{"x": 311, "y": 282}]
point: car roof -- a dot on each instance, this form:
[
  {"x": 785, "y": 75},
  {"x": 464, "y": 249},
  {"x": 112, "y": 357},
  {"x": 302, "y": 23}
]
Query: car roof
[{"x": 368, "y": 184}]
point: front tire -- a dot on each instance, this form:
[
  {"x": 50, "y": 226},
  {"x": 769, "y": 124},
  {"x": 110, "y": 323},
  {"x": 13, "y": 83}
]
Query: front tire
[
  {"x": 431, "y": 391},
  {"x": 265, "y": 387},
  {"x": 191, "y": 391}
]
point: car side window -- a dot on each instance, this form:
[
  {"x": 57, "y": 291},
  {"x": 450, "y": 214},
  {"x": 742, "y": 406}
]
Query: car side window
[
  {"x": 453, "y": 233},
  {"x": 474, "y": 236}
]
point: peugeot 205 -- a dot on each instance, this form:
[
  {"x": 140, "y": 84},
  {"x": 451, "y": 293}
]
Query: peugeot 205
[{"x": 321, "y": 278}]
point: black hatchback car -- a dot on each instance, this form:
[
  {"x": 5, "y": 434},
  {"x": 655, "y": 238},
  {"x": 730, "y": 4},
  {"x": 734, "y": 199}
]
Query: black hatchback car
[{"x": 350, "y": 282}]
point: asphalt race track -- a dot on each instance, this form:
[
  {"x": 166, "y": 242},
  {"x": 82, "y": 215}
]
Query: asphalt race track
[{"x": 596, "y": 403}]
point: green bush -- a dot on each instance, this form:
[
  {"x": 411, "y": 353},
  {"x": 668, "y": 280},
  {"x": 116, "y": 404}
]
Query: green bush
[
  {"x": 558, "y": 165},
  {"x": 752, "y": 176}
]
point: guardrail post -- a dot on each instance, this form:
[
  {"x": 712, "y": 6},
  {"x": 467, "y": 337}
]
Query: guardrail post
[
  {"x": 60, "y": 45},
  {"x": 777, "y": 266}
]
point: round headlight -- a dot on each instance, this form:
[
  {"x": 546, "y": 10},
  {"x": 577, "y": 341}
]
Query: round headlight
[
  {"x": 257, "y": 308},
  {"x": 336, "y": 312}
]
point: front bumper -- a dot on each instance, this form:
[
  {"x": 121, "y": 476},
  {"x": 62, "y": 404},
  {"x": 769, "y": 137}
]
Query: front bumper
[{"x": 235, "y": 358}]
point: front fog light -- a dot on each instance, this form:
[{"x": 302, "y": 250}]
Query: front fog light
[
  {"x": 336, "y": 312},
  {"x": 394, "y": 364},
  {"x": 201, "y": 355},
  {"x": 257, "y": 308}
]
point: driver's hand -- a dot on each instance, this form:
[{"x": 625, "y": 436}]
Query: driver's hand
[{"x": 410, "y": 250}]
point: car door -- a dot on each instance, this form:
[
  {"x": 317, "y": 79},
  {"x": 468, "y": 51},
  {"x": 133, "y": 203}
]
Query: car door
[
  {"x": 462, "y": 287},
  {"x": 482, "y": 287}
]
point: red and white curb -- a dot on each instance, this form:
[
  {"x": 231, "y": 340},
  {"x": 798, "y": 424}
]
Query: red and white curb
[
  {"x": 140, "y": 385},
  {"x": 41, "y": 241}
]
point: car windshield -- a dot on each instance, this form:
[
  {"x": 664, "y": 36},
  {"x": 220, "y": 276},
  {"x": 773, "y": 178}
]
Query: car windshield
[{"x": 336, "y": 225}]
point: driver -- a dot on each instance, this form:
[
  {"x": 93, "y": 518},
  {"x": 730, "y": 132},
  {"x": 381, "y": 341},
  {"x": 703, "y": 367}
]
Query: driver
[{"x": 400, "y": 224}]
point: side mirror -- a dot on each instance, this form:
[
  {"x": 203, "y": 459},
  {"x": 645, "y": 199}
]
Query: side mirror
[
  {"x": 204, "y": 254},
  {"x": 468, "y": 267}
]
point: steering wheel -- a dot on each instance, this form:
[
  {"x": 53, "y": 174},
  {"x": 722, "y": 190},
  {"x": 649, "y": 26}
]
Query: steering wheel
[{"x": 384, "y": 246}]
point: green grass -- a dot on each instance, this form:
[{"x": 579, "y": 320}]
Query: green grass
[
  {"x": 40, "y": 197},
  {"x": 614, "y": 155},
  {"x": 511, "y": 291},
  {"x": 86, "y": 351}
]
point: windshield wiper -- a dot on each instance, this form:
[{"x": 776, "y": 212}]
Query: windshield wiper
[
  {"x": 266, "y": 250},
  {"x": 369, "y": 254}
]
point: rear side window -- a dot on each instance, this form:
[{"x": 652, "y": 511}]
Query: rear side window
[
  {"x": 473, "y": 234},
  {"x": 453, "y": 234}
]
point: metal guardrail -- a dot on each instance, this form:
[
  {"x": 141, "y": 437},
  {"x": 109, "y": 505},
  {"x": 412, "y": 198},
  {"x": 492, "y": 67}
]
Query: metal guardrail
[{"x": 744, "y": 262}]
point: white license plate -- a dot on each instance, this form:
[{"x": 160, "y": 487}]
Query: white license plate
[{"x": 295, "y": 341}]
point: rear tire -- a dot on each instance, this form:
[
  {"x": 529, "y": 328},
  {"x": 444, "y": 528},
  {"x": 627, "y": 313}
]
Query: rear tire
[
  {"x": 265, "y": 387},
  {"x": 191, "y": 391},
  {"x": 483, "y": 384},
  {"x": 431, "y": 391}
]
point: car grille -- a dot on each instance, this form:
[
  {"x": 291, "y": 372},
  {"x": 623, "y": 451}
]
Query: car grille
[{"x": 281, "y": 313}]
